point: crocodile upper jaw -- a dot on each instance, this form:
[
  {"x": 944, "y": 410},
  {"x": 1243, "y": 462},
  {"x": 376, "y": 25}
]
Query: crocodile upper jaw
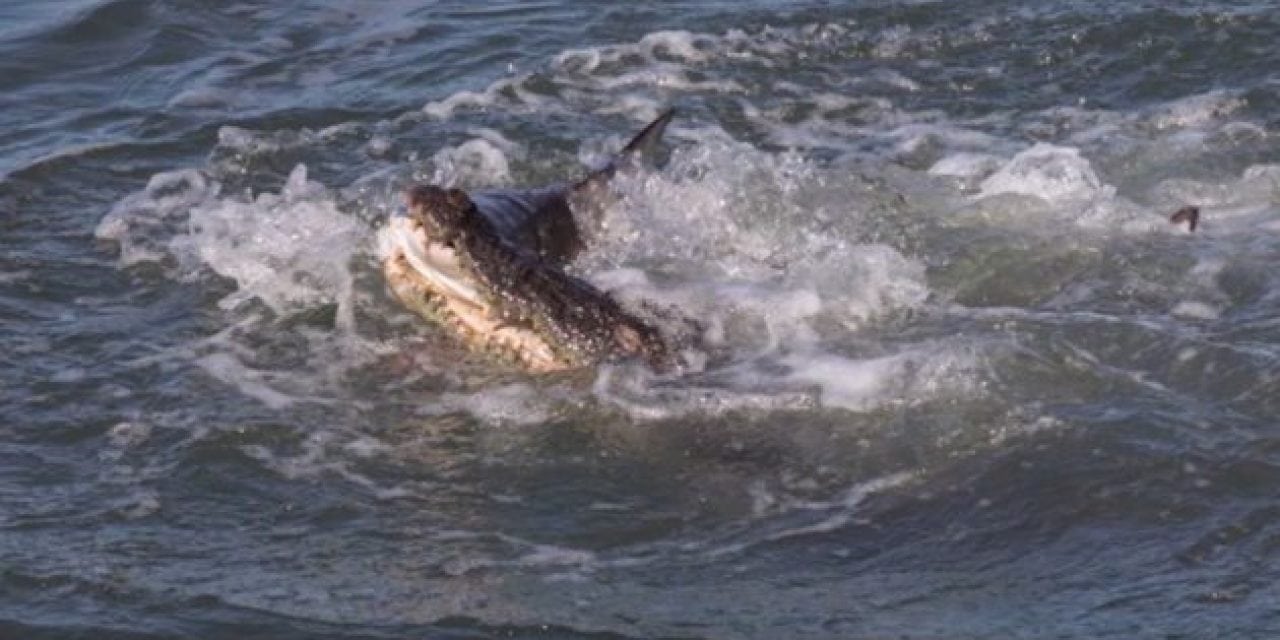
[{"x": 429, "y": 278}]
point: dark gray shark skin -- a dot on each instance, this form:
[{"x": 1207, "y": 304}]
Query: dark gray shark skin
[
  {"x": 538, "y": 220},
  {"x": 542, "y": 219},
  {"x": 1188, "y": 214},
  {"x": 508, "y": 249}
]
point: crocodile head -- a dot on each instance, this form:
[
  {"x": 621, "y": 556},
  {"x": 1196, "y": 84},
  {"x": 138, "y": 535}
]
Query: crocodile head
[{"x": 453, "y": 265}]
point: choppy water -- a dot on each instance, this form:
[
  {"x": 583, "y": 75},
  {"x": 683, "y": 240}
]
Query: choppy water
[{"x": 964, "y": 379}]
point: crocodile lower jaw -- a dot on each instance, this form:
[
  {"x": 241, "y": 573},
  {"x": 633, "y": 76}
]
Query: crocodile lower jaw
[{"x": 426, "y": 279}]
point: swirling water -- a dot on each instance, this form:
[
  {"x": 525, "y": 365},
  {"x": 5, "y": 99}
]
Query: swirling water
[{"x": 963, "y": 378}]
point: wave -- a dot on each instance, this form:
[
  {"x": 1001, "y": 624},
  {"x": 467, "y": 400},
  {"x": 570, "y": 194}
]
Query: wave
[{"x": 805, "y": 228}]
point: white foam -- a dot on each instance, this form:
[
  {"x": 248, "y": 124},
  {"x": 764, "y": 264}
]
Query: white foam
[
  {"x": 634, "y": 391},
  {"x": 846, "y": 506},
  {"x": 740, "y": 227},
  {"x": 379, "y": 146},
  {"x": 251, "y": 382},
  {"x": 508, "y": 94},
  {"x": 680, "y": 45},
  {"x": 241, "y": 139},
  {"x": 480, "y": 161},
  {"x": 203, "y": 98},
  {"x": 126, "y": 435},
  {"x": 608, "y": 78},
  {"x": 143, "y": 223},
  {"x": 293, "y": 252},
  {"x": 801, "y": 378},
  {"x": 10, "y": 277},
  {"x": 68, "y": 375},
  {"x": 545, "y": 555},
  {"x": 512, "y": 404},
  {"x": 908, "y": 377},
  {"x": 289, "y": 251},
  {"x": 892, "y": 42},
  {"x": 1196, "y": 110},
  {"x": 1046, "y": 171},
  {"x": 831, "y": 515},
  {"x": 850, "y": 384},
  {"x": 1257, "y": 188},
  {"x": 1195, "y": 310},
  {"x": 684, "y": 45},
  {"x": 871, "y": 281},
  {"x": 966, "y": 165},
  {"x": 897, "y": 79},
  {"x": 139, "y": 504},
  {"x": 367, "y": 447}
]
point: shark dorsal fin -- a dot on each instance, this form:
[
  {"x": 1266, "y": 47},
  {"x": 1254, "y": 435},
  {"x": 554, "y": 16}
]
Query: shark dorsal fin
[
  {"x": 644, "y": 143},
  {"x": 639, "y": 149}
]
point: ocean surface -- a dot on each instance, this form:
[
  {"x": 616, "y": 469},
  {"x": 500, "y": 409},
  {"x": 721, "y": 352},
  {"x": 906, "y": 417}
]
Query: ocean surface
[{"x": 960, "y": 375}]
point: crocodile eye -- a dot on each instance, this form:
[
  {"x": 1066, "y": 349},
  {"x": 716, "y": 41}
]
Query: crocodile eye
[
  {"x": 628, "y": 339},
  {"x": 458, "y": 199}
]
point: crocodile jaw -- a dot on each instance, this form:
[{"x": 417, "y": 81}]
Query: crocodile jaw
[
  {"x": 428, "y": 278},
  {"x": 433, "y": 262}
]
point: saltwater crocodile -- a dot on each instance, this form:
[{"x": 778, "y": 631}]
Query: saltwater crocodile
[{"x": 490, "y": 266}]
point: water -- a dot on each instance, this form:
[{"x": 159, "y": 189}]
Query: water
[{"x": 961, "y": 376}]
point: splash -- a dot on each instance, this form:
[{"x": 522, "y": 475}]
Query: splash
[
  {"x": 289, "y": 251},
  {"x": 291, "y": 260},
  {"x": 792, "y": 257}
]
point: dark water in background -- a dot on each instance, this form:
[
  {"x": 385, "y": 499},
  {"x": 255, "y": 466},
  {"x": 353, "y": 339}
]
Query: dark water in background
[{"x": 967, "y": 380}]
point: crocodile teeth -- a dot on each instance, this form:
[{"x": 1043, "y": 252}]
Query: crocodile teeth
[
  {"x": 433, "y": 261},
  {"x": 472, "y": 324}
]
